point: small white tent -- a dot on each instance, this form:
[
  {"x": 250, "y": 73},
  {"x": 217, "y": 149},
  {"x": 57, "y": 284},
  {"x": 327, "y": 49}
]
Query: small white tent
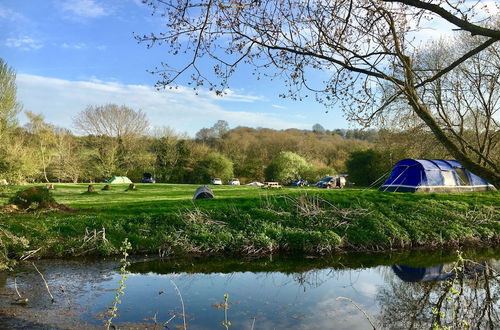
[{"x": 119, "y": 179}]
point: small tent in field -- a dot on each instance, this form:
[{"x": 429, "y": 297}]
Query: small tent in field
[
  {"x": 203, "y": 192},
  {"x": 425, "y": 176},
  {"x": 119, "y": 179}
]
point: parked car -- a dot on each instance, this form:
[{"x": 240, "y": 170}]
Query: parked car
[
  {"x": 325, "y": 182},
  {"x": 338, "y": 181},
  {"x": 234, "y": 182},
  {"x": 148, "y": 178},
  {"x": 299, "y": 183},
  {"x": 255, "y": 183},
  {"x": 217, "y": 181}
]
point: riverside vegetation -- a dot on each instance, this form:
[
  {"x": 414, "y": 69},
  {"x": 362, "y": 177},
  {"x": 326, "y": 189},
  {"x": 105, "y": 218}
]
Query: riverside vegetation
[{"x": 163, "y": 219}]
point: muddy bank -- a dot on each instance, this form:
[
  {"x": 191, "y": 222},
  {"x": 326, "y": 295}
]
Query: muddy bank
[{"x": 68, "y": 280}]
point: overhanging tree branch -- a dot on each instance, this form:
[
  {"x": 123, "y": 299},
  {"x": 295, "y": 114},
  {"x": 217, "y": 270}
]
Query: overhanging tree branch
[
  {"x": 326, "y": 58},
  {"x": 438, "y": 75},
  {"x": 453, "y": 19}
]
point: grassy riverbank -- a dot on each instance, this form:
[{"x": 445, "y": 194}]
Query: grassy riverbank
[{"x": 164, "y": 219}]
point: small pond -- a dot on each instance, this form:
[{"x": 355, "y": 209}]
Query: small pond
[{"x": 347, "y": 291}]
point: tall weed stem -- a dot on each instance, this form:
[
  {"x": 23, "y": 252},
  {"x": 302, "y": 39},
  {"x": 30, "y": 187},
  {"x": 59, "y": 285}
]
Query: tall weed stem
[{"x": 126, "y": 246}]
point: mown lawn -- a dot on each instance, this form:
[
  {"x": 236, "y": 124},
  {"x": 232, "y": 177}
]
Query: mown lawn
[
  {"x": 163, "y": 218},
  {"x": 158, "y": 199}
]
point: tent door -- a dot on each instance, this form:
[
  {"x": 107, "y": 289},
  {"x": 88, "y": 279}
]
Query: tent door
[
  {"x": 448, "y": 178},
  {"x": 463, "y": 178}
]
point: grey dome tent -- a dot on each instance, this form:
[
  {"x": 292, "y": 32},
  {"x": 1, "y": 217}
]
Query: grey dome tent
[
  {"x": 203, "y": 192},
  {"x": 436, "y": 175}
]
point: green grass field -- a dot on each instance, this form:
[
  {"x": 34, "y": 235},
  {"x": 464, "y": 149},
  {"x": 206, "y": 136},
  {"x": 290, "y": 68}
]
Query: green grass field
[
  {"x": 156, "y": 199},
  {"x": 164, "y": 218},
  {"x": 160, "y": 199}
]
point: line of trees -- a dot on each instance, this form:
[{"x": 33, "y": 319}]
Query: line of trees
[
  {"x": 118, "y": 140},
  {"x": 41, "y": 152}
]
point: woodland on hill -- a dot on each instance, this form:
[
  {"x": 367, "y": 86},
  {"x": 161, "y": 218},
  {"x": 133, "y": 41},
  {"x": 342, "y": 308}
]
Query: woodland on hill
[{"x": 41, "y": 152}]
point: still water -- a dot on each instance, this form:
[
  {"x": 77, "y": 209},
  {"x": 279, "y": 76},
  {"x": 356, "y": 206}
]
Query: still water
[{"x": 347, "y": 291}]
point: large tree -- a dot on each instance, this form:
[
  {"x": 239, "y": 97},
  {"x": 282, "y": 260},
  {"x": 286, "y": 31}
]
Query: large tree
[
  {"x": 217, "y": 131},
  {"x": 114, "y": 134},
  {"x": 111, "y": 120},
  {"x": 43, "y": 140},
  {"x": 355, "y": 47},
  {"x": 170, "y": 152},
  {"x": 466, "y": 101},
  {"x": 68, "y": 162},
  {"x": 9, "y": 106}
]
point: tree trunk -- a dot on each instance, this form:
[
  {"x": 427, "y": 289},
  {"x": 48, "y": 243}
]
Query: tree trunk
[
  {"x": 44, "y": 166},
  {"x": 423, "y": 113}
]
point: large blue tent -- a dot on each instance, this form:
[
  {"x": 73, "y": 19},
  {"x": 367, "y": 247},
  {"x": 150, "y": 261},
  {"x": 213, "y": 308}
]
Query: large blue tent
[
  {"x": 436, "y": 175},
  {"x": 421, "y": 274},
  {"x": 438, "y": 272}
]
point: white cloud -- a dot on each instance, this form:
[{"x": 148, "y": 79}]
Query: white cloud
[
  {"x": 61, "y": 100},
  {"x": 7, "y": 14},
  {"x": 367, "y": 288},
  {"x": 84, "y": 8},
  {"x": 278, "y": 106},
  {"x": 76, "y": 46},
  {"x": 24, "y": 43},
  {"x": 232, "y": 96}
]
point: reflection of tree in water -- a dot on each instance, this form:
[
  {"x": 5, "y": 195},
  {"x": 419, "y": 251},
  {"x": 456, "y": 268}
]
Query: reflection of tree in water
[
  {"x": 469, "y": 298},
  {"x": 310, "y": 279},
  {"x": 315, "y": 278}
]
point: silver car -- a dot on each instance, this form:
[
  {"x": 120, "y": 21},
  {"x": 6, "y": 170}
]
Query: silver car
[
  {"x": 217, "y": 181},
  {"x": 234, "y": 182}
]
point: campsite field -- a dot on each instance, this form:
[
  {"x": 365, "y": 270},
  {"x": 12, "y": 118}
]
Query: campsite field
[{"x": 163, "y": 218}]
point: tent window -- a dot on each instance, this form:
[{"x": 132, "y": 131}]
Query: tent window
[
  {"x": 462, "y": 177},
  {"x": 448, "y": 178}
]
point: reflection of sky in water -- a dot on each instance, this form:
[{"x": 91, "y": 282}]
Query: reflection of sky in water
[
  {"x": 297, "y": 293},
  {"x": 276, "y": 300}
]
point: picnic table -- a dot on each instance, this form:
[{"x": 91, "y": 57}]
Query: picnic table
[{"x": 269, "y": 185}]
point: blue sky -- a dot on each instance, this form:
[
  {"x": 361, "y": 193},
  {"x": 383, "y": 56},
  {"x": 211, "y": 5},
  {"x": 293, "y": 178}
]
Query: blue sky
[{"x": 72, "y": 53}]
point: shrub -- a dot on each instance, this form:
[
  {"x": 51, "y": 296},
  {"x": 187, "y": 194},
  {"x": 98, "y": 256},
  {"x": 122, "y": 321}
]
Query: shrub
[
  {"x": 214, "y": 165},
  {"x": 27, "y": 198},
  {"x": 287, "y": 167},
  {"x": 365, "y": 167}
]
